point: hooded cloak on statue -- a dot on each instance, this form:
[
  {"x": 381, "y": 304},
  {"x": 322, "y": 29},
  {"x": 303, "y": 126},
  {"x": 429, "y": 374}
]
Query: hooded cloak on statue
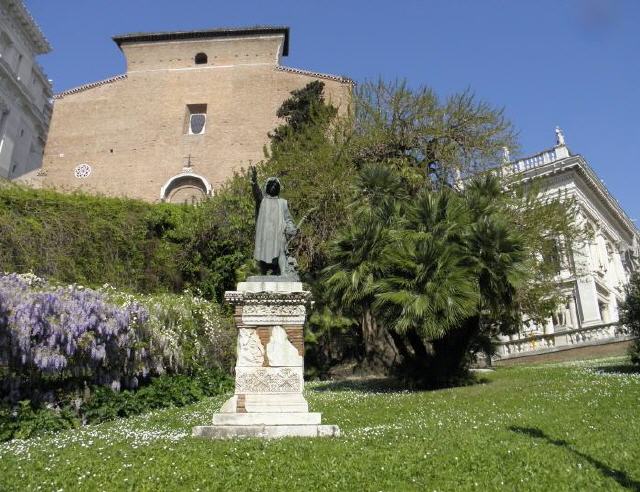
[{"x": 273, "y": 225}]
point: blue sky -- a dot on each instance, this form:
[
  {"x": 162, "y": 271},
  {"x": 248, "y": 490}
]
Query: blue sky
[{"x": 573, "y": 63}]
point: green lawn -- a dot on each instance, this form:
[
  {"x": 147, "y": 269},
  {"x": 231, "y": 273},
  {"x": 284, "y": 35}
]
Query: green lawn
[{"x": 554, "y": 427}]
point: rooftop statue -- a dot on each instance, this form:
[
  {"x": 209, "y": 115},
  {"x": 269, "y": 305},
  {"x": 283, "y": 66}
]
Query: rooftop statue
[
  {"x": 559, "y": 136},
  {"x": 274, "y": 229},
  {"x": 506, "y": 156}
]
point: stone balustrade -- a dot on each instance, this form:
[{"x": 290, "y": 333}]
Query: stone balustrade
[
  {"x": 526, "y": 163},
  {"x": 533, "y": 343}
]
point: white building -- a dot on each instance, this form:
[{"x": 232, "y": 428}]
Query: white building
[
  {"x": 594, "y": 273},
  {"x": 25, "y": 92}
]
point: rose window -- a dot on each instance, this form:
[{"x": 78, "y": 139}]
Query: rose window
[{"x": 82, "y": 171}]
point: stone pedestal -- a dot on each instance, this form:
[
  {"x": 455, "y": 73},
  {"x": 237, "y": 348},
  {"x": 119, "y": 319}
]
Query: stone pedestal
[{"x": 268, "y": 400}]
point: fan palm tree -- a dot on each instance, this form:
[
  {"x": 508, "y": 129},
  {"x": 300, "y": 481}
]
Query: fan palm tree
[
  {"x": 449, "y": 279},
  {"x": 496, "y": 255},
  {"x": 428, "y": 276},
  {"x": 426, "y": 287},
  {"x": 351, "y": 280}
]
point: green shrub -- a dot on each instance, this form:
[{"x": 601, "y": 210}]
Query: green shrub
[
  {"x": 178, "y": 390},
  {"x": 56, "y": 339},
  {"x": 199, "y": 332},
  {"x": 91, "y": 240},
  {"x": 24, "y": 421},
  {"x": 130, "y": 244},
  {"x": 219, "y": 250},
  {"x": 101, "y": 404}
]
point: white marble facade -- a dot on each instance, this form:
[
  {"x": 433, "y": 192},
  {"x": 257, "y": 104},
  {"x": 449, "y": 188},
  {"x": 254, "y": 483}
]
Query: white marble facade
[
  {"x": 594, "y": 272},
  {"x": 25, "y": 92}
]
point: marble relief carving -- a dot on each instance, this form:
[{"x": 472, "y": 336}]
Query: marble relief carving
[
  {"x": 280, "y": 351},
  {"x": 260, "y": 314},
  {"x": 250, "y": 349},
  {"x": 268, "y": 380}
]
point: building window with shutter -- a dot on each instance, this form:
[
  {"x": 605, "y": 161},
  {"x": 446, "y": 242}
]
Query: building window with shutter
[{"x": 196, "y": 120}]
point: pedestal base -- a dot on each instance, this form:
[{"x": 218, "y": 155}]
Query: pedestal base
[
  {"x": 268, "y": 401},
  {"x": 265, "y": 431},
  {"x": 279, "y": 418}
]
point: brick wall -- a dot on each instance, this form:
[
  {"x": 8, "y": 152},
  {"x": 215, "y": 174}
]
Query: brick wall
[{"x": 132, "y": 130}]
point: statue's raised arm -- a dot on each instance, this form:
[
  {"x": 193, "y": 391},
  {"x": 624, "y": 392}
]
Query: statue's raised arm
[
  {"x": 274, "y": 225},
  {"x": 255, "y": 189}
]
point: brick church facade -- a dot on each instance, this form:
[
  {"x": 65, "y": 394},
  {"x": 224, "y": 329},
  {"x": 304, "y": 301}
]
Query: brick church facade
[{"x": 191, "y": 108}]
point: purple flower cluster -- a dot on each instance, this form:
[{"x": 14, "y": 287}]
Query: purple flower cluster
[{"x": 71, "y": 332}]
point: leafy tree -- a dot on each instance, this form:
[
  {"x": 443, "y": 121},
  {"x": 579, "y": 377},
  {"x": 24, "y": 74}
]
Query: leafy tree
[
  {"x": 219, "y": 249},
  {"x": 442, "y": 141},
  {"x": 497, "y": 254},
  {"x": 391, "y": 263},
  {"x": 427, "y": 276},
  {"x": 434, "y": 266},
  {"x": 305, "y": 107},
  {"x": 630, "y": 314},
  {"x": 427, "y": 263},
  {"x": 427, "y": 288},
  {"x": 550, "y": 228},
  {"x": 311, "y": 158}
]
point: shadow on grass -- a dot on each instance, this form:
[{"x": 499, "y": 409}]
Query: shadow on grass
[
  {"x": 364, "y": 385},
  {"x": 618, "y": 475},
  {"x": 618, "y": 369},
  {"x": 381, "y": 385}
]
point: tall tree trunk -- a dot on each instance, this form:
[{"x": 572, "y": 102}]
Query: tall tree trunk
[
  {"x": 449, "y": 364},
  {"x": 400, "y": 342},
  {"x": 380, "y": 351},
  {"x": 418, "y": 345}
]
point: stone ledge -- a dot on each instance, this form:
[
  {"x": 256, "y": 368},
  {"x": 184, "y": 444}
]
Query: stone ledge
[
  {"x": 265, "y": 284},
  {"x": 267, "y": 403},
  {"x": 265, "y": 431},
  {"x": 264, "y": 418},
  {"x": 270, "y": 297}
]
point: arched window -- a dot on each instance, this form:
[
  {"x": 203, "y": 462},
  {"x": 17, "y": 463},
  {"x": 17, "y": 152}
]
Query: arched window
[
  {"x": 186, "y": 188},
  {"x": 201, "y": 58}
]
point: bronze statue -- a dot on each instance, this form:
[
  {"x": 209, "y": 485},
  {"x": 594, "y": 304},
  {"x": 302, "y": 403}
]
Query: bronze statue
[{"x": 274, "y": 229}]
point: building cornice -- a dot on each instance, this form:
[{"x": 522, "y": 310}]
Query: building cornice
[
  {"x": 596, "y": 212},
  {"x": 578, "y": 163},
  {"x": 29, "y": 27},
  {"x": 90, "y": 85},
  {"x": 226, "y": 32},
  {"x": 318, "y": 75}
]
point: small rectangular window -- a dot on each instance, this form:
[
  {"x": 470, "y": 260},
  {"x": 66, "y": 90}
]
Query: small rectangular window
[{"x": 196, "y": 120}]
